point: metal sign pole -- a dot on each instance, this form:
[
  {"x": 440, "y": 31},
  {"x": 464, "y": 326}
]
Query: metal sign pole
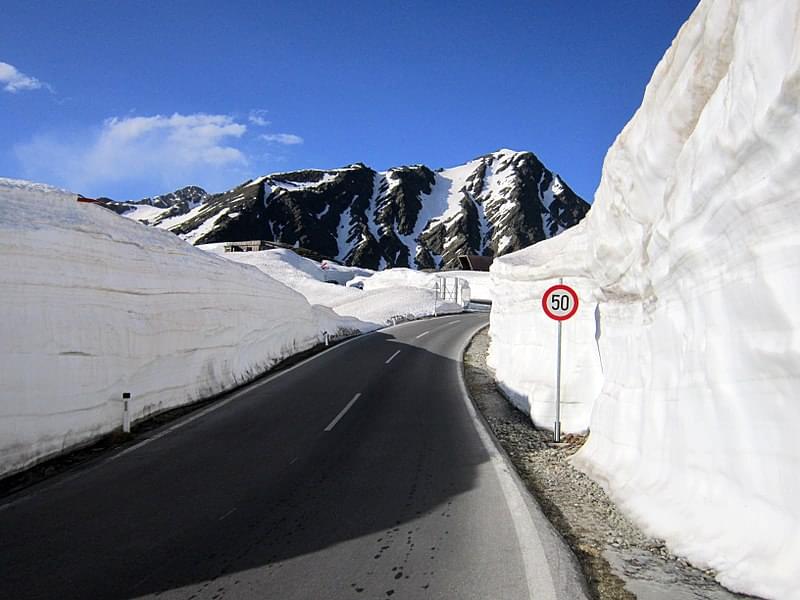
[{"x": 557, "y": 424}]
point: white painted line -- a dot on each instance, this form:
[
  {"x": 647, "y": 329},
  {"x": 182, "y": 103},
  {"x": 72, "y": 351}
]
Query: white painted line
[
  {"x": 388, "y": 360},
  {"x": 217, "y": 405},
  {"x": 423, "y": 334},
  {"x": 343, "y": 411},
  {"x": 227, "y": 514},
  {"x": 539, "y": 578},
  {"x": 294, "y": 460}
]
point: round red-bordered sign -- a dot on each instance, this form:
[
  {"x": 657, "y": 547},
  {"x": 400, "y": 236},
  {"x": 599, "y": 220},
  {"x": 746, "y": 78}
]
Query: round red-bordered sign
[{"x": 560, "y": 302}]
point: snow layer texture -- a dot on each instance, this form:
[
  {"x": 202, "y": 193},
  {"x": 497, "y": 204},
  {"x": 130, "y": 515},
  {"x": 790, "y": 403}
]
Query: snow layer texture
[
  {"x": 95, "y": 305},
  {"x": 691, "y": 257}
]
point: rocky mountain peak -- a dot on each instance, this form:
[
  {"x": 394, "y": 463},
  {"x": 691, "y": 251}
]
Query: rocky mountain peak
[{"x": 410, "y": 216}]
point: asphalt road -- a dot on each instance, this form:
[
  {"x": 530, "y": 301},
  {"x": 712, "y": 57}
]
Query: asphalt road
[{"x": 360, "y": 473}]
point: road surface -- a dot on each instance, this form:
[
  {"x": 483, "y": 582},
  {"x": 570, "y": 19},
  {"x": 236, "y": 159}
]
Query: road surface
[{"x": 360, "y": 473}]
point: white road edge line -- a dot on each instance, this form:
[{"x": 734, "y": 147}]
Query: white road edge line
[
  {"x": 537, "y": 572},
  {"x": 388, "y": 360},
  {"x": 333, "y": 423},
  {"x": 423, "y": 334}
]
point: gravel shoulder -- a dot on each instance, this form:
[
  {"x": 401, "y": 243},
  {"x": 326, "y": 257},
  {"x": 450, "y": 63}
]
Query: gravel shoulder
[{"x": 618, "y": 560}]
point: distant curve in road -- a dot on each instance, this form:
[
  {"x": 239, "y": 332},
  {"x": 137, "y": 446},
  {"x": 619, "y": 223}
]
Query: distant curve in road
[{"x": 362, "y": 472}]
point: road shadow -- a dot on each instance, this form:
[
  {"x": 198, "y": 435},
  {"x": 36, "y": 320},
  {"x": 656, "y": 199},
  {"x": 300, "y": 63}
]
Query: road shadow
[{"x": 255, "y": 483}]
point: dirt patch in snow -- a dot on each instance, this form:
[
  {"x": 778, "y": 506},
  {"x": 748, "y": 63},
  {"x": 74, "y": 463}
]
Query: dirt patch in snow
[{"x": 618, "y": 560}]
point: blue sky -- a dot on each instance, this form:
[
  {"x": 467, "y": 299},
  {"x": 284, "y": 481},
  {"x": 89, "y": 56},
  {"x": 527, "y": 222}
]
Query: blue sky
[{"x": 128, "y": 99}]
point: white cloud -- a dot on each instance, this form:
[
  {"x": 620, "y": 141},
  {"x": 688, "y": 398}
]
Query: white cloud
[
  {"x": 288, "y": 139},
  {"x": 14, "y": 81},
  {"x": 258, "y": 117},
  {"x": 168, "y": 151}
]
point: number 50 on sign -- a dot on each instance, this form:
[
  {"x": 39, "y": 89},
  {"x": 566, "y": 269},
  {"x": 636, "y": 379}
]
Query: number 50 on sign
[{"x": 560, "y": 302}]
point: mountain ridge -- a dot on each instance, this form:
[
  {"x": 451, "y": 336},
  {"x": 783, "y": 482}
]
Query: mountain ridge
[{"x": 408, "y": 216}]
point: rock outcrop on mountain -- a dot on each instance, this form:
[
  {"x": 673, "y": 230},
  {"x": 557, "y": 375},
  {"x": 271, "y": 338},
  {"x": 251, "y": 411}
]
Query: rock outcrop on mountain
[
  {"x": 159, "y": 208},
  {"x": 408, "y": 216}
]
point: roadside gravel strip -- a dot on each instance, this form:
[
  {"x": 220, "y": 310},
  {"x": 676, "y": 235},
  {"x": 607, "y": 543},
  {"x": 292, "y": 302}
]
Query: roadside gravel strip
[{"x": 619, "y": 561}]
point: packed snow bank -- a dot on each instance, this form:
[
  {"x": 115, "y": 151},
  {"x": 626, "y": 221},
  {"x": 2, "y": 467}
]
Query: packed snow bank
[
  {"x": 524, "y": 346},
  {"x": 286, "y": 265},
  {"x": 397, "y": 277},
  {"x": 95, "y": 305},
  {"x": 480, "y": 283},
  {"x": 386, "y": 296},
  {"x": 692, "y": 250}
]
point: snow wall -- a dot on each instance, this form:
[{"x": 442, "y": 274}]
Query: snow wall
[
  {"x": 690, "y": 256},
  {"x": 524, "y": 348},
  {"x": 95, "y": 305}
]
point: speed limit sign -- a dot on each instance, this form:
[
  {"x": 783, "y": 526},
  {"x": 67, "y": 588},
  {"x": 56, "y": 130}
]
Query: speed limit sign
[{"x": 560, "y": 302}]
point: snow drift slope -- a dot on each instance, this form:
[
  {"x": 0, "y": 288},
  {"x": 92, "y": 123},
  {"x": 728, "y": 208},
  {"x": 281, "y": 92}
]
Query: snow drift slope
[
  {"x": 367, "y": 309},
  {"x": 692, "y": 250},
  {"x": 95, "y": 305}
]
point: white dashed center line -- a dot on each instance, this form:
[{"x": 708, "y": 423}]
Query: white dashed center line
[
  {"x": 423, "y": 334},
  {"x": 333, "y": 423},
  {"x": 227, "y": 514},
  {"x": 388, "y": 360}
]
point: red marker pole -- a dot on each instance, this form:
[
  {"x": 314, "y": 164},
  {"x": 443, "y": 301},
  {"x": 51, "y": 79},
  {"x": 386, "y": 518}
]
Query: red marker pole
[{"x": 559, "y": 302}]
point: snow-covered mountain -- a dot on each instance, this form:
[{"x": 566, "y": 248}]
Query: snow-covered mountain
[
  {"x": 160, "y": 207},
  {"x": 407, "y": 216}
]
